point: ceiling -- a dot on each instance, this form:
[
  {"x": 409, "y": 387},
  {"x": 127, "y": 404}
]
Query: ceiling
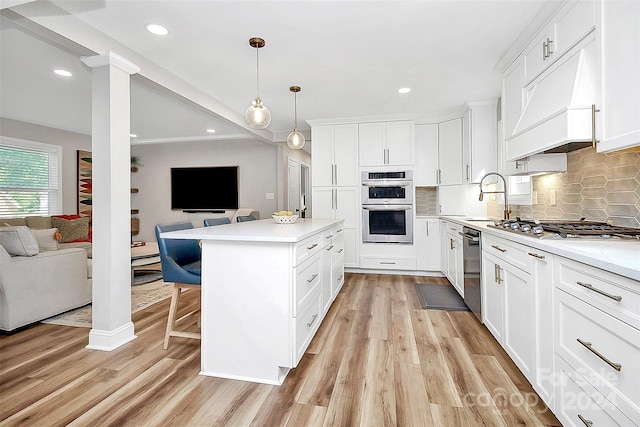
[{"x": 349, "y": 57}]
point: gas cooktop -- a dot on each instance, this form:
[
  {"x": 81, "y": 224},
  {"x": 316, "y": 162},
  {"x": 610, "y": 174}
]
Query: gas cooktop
[{"x": 558, "y": 229}]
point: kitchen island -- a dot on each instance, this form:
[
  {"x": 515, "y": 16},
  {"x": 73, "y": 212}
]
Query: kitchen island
[{"x": 265, "y": 290}]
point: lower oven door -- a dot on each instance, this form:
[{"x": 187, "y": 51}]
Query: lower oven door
[{"x": 387, "y": 224}]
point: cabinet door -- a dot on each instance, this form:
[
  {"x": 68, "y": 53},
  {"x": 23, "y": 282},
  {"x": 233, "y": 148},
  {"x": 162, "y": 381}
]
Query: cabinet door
[
  {"x": 519, "y": 319},
  {"x": 450, "y": 152},
  {"x": 372, "y": 144},
  {"x": 426, "y": 157},
  {"x": 492, "y": 296},
  {"x": 444, "y": 248},
  {"x": 348, "y": 205},
  {"x": 542, "y": 281},
  {"x": 327, "y": 277},
  {"x": 400, "y": 143},
  {"x": 538, "y": 56},
  {"x": 480, "y": 150},
  {"x": 322, "y": 202},
  {"x": 322, "y": 155},
  {"x": 451, "y": 260},
  {"x": 459, "y": 265},
  {"x": 433, "y": 245},
  {"x": 450, "y": 200},
  {"x": 420, "y": 242},
  {"x": 345, "y": 153},
  {"x": 619, "y": 125}
]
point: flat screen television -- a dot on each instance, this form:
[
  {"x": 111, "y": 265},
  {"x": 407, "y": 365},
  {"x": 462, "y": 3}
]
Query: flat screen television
[{"x": 204, "y": 188}]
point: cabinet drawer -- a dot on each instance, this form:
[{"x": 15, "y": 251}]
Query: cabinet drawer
[
  {"x": 327, "y": 236},
  {"x": 388, "y": 263},
  {"x": 307, "y": 322},
  {"x": 597, "y": 344},
  {"x": 578, "y": 403},
  {"x": 307, "y": 277},
  {"x": 616, "y": 295},
  {"x": 308, "y": 247},
  {"x": 338, "y": 252},
  {"x": 511, "y": 252}
]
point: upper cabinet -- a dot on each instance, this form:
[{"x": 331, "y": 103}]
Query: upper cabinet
[
  {"x": 335, "y": 155},
  {"x": 618, "y": 33},
  {"x": 577, "y": 83},
  {"x": 479, "y": 140},
  {"x": 426, "y": 169},
  {"x": 450, "y": 152},
  {"x": 386, "y": 143}
]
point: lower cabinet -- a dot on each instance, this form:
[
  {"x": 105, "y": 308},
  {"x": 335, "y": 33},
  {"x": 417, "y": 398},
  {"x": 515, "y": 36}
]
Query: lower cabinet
[
  {"x": 332, "y": 266},
  {"x": 452, "y": 263},
  {"x": 427, "y": 242}
]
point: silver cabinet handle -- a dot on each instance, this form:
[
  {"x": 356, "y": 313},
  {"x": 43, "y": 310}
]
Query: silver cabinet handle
[
  {"x": 601, "y": 292},
  {"x": 498, "y": 248},
  {"x": 313, "y": 319},
  {"x": 594, "y": 141},
  {"x": 536, "y": 255},
  {"x": 496, "y": 273},
  {"x": 312, "y": 278},
  {"x": 468, "y": 174},
  {"x": 439, "y": 176},
  {"x": 451, "y": 245},
  {"x": 329, "y": 236},
  {"x": 329, "y": 248},
  {"x": 586, "y": 422},
  {"x": 549, "y": 51},
  {"x": 312, "y": 246},
  {"x": 339, "y": 231},
  {"x": 340, "y": 278},
  {"x": 387, "y": 263},
  {"x": 616, "y": 366},
  {"x": 334, "y": 201},
  {"x": 427, "y": 228},
  {"x": 544, "y": 50},
  {"x": 340, "y": 251}
]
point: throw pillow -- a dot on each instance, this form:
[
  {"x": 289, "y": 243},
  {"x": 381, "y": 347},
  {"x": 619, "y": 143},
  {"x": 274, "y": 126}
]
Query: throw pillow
[
  {"x": 18, "y": 241},
  {"x": 72, "y": 230},
  {"x": 39, "y": 222},
  {"x": 46, "y": 239}
]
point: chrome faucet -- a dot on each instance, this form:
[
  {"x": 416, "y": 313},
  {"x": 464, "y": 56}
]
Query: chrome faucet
[{"x": 507, "y": 211}]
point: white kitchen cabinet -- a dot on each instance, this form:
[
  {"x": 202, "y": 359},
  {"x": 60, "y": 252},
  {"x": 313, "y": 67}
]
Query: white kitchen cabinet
[
  {"x": 427, "y": 242},
  {"x": 450, "y": 152},
  {"x": 492, "y": 296},
  {"x": 597, "y": 334},
  {"x": 334, "y": 155},
  {"x": 618, "y": 36},
  {"x": 571, "y": 24},
  {"x": 479, "y": 140},
  {"x": 341, "y": 203},
  {"x": 386, "y": 143},
  {"x": 509, "y": 308},
  {"x": 454, "y": 265},
  {"x": 444, "y": 250},
  {"x": 332, "y": 265},
  {"x": 426, "y": 142},
  {"x": 542, "y": 277}
]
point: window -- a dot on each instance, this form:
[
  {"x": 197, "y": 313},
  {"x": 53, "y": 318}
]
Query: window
[{"x": 29, "y": 178}]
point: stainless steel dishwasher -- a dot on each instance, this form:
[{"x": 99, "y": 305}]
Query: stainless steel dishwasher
[{"x": 472, "y": 268}]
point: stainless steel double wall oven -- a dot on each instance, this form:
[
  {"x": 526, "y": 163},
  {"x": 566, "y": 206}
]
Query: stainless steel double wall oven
[{"x": 387, "y": 207}]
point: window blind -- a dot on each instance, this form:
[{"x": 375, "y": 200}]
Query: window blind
[{"x": 29, "y": 179}]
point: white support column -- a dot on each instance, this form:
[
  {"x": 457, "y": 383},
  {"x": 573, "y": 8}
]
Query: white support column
[{"x": 111, "y": 175}]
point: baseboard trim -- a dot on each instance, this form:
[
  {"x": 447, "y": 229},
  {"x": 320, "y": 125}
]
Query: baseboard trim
[{"x": 110, "y": 340}]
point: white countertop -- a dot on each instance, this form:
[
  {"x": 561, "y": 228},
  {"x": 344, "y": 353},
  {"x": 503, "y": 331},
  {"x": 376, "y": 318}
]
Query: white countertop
[
  {"x": 265, "y": 230},
  {"x": 617, "y": 256}
]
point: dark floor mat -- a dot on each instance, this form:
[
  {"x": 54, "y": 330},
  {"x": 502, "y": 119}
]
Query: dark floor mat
[{"x": 440, "y": 297}]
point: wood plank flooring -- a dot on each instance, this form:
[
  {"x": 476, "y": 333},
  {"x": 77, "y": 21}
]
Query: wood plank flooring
[{"x": 378, "y": 359}]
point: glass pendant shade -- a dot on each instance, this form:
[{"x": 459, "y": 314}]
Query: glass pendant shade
[
  {"x": 258, "y": 115},
  {"x": 295, "y": 140}
]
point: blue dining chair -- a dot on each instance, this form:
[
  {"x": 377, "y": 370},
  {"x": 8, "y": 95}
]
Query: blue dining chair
[
  {"x": 181, "y": 264},
  {"x": 217, "y": 221}
]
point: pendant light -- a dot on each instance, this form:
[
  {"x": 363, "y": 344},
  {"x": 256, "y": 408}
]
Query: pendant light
[
  {"x": 258, "y": 115},
  {"x": 295, "y": 140}
]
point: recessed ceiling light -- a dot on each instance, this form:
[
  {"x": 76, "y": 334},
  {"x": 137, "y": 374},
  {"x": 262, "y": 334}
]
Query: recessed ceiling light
[
  {"x": 404, "y": 90},
  {"x": 133, "y": 135},
  {"x": 211, "y": 130},
  {"x": 63, "y": 73},
  {"x": 157, "y": 29}
]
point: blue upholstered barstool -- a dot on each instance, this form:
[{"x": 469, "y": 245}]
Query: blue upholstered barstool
[
  {"x": 245, "y": 218},
  {"x": 181, "y": 264},
  {"x": 216, "y": 221}
]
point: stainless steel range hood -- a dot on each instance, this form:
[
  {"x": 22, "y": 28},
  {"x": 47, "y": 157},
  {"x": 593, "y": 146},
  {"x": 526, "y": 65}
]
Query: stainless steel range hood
[{"x": 558, "y": 115}]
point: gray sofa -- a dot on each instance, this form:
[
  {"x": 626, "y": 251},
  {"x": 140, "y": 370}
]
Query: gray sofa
[
  {"x": 40, "y": 286},
  {"x": 33, "y": 288}
]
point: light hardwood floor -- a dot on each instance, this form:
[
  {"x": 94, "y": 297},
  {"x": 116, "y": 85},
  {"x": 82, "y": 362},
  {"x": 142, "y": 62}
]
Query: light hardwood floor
[{"x": 378, "y": 359}]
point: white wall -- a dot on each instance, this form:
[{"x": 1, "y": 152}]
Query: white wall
[
  {"x": 69, "y": 141},
  {"x": 257, "y": 172}
]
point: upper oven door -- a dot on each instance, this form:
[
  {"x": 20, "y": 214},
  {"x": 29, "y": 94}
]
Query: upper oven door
[{"x": 383, "y": 188}]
